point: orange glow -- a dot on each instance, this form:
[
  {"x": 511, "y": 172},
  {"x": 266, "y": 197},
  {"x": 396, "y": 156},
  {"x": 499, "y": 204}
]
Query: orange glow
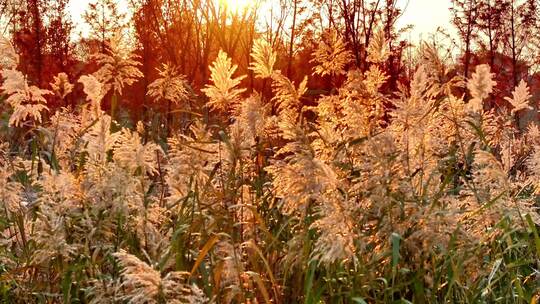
[{"x": 237, "y": 6}]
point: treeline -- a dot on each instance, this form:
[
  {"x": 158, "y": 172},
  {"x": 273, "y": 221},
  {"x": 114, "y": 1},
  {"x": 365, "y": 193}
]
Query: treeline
[
  {"x": 501, "y": 33},
  {"x": 187, "y": 35}
]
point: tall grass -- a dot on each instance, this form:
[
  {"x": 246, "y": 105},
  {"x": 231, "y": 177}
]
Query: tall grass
[{"x": 348, "y": 201}]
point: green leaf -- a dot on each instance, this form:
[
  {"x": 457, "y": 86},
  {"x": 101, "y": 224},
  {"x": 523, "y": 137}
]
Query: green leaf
[
  {"x": 395, "y": 249},
  {"x": 359, "y": 300},
  {"x": 532, "y": 226}
]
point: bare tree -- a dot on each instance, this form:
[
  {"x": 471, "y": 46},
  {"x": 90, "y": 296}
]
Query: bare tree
[
  {"x": 465, "y": 18},
  {"x": 520, "y": 26},
  {"x": 490, "y": 24},
  {"x": 105, "y": 21}
]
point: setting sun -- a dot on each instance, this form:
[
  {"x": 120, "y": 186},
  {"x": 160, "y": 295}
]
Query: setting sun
[{"x": 237, "y": 6}]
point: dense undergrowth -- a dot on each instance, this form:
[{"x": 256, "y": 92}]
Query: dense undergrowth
[{"x": 430, "y": 201}]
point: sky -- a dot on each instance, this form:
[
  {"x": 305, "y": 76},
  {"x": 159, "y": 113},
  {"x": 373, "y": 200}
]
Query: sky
[
  {"x": 424, "y": 15},
  {"x": 78, "y": 7}
]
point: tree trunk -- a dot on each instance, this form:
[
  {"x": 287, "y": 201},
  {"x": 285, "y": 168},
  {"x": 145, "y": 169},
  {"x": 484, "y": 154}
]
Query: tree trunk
[
  {"x": 514, "y": 55},
  {"x": 291, "y": 43}
]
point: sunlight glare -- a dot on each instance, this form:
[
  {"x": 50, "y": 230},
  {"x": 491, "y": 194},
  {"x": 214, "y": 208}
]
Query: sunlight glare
[{"x": 236, "y": 6}]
